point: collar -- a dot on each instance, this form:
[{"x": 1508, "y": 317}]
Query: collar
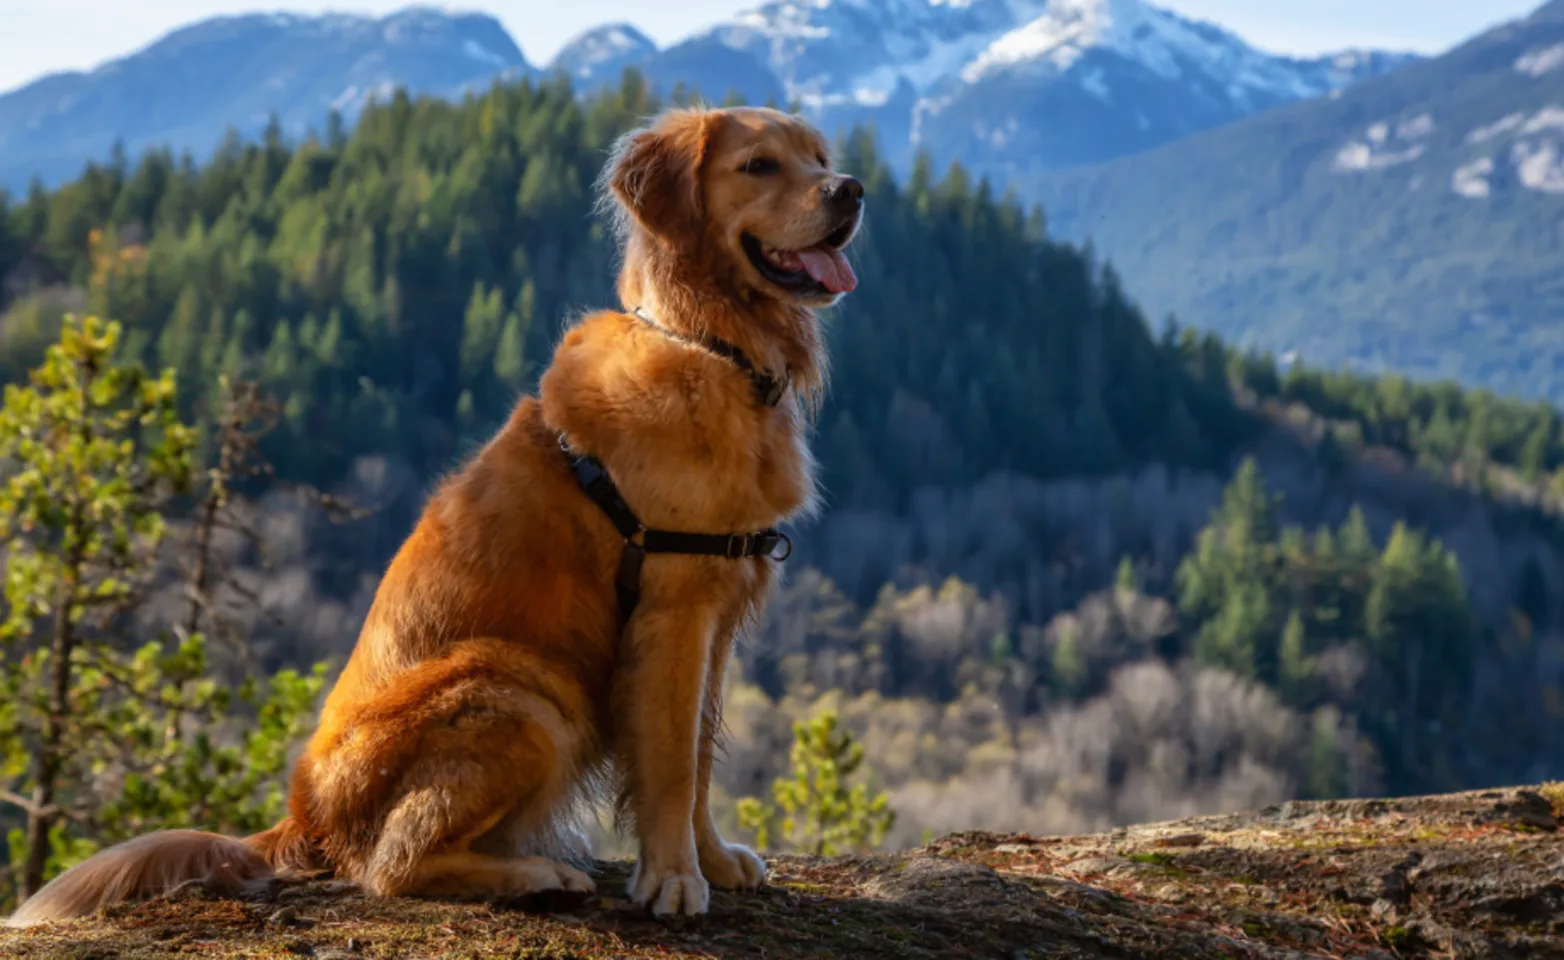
[{"x": 768, "y": 389}]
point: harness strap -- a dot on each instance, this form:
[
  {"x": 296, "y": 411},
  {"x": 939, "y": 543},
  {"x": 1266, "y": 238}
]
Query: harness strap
[{"x": 593, "y": 479}]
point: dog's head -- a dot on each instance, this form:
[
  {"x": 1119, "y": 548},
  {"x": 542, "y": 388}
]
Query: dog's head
[{"x": 750, "y": 191}]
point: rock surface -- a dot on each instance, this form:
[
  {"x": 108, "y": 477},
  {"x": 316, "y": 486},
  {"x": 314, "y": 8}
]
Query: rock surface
[{"x": 1477, "y": 874}]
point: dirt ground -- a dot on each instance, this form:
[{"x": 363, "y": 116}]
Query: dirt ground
[{"x": 1467, "y": 875}]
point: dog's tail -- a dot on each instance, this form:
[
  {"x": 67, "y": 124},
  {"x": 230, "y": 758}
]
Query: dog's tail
[{"x": 158, "y": 863}]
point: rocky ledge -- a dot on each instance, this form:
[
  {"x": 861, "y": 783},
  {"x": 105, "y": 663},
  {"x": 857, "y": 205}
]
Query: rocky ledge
[{"x": 1476, "y": 874}]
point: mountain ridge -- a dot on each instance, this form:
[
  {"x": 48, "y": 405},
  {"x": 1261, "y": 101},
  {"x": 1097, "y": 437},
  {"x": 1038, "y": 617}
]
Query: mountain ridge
[
  {"x": 966, "y": 81},
  {"x": 188, "y": 88},
  {"x": 1400, "y": 225},
  {"x": 969, "y": 81}
]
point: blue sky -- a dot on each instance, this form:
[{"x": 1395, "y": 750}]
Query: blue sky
[{"x": 41, "y": 36}]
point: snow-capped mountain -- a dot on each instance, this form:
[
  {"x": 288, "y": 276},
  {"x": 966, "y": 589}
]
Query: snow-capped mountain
[
  {"x": 1009, "y": 87},
  {"x": 1114, "y": 77},
  {"x": 1410, "y": 222},
  {"x": 1013, "y": 85},
  {"x": 187, "y": 88},
  {"x": 604, "y": 52}
]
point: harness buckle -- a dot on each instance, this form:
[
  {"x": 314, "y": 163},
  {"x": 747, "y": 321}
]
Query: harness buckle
[
  {"x": 739, "y": 545},
  {"x": 782, "y": 540}
]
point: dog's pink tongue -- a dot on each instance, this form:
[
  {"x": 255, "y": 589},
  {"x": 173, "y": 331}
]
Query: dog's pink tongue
[{"x": 828, "y": 266}]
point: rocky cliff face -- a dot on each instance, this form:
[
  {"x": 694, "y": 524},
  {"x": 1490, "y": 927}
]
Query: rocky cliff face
[{"x": 1466, "y": 875}]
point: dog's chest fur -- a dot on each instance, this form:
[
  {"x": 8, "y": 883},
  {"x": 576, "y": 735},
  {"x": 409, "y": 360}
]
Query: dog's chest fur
[{"x": 679, "y": 429}]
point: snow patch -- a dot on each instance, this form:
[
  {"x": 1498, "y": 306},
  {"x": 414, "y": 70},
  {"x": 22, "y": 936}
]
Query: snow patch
[
  {"x": 1060, "y": 37},
  {"x": 1163, "y": 43},
  {"x": 1471, "y": 180},
  {"x": 784, "y": 20},
  {"x": 926, "y": 65},
  {"x": 998, "y": 136},
  {"x": 1548, "y": 118},
  {"x": 345, "y": 98},
  {"x": 1416, "y": 128},
  {"x": 1496, "y": 129},
  {"x": 477, "y": 51},
  {"x": 593, "y": 50},
  {"x": 1540, "y": 165},
  {"x": 1535, "y": 63},
  {"x": 837, "y": 51},
  {"x": 1384, "y": 146},
  {"x": 618, "y": 38},
  {"x": 1360, "y": 157},
  {"x": 1096, "y": 85}
]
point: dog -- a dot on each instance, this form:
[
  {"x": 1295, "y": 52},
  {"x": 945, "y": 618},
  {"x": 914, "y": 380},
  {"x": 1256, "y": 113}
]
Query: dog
[{"x": 528, "y": 645}]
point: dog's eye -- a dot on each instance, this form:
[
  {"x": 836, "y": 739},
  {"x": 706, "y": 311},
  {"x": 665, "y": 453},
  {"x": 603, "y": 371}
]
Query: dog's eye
[
  {"x": 760, "y": 166},
  {"x": 821, "y": 158}
]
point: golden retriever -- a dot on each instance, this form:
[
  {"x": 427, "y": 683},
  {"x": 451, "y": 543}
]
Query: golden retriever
[{"x": 497, "y": 678}]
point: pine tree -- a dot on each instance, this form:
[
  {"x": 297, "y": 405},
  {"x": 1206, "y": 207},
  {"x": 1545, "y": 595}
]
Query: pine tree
[
  {"x": 1416, "y": 622},
  {"x": 96, "y": 450},
  {"x": 1069, "y": 664},
  {"x": 481, "y": 330},
  {"x": 180, "y": 340},
  {"x": 94, "y": 741},
  {"x": 1295, "y": 667},
  {"x": 1248, "y": 506},
  {"x": 1229, "y": 588},
  {"x": 815, "y": 811},
  {"x": 1127, "y": 579},
  {"x": 1534, "y": 455},
  {"x": 281, "y": 359},
  {"x": 510, "y": 356}
]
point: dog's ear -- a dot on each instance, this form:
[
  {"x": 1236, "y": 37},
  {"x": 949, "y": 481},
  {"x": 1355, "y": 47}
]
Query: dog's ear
[{"x": 655, "y": 174}]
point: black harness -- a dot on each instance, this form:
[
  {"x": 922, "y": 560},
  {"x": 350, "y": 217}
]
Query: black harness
[{"x": 595, "y": 482}]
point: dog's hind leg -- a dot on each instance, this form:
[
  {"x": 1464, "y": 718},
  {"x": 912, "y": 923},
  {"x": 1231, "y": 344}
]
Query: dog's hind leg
[
  {"x": 476, "y": 876},
  {"x": 448, "y": 751}
]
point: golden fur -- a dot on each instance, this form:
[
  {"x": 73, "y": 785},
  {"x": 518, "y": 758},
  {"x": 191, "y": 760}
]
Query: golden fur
[{"x": 491, "y": 687}]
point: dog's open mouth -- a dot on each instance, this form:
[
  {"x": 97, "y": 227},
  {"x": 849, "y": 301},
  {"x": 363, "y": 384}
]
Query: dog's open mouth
[{"x": 822, "y": 268}]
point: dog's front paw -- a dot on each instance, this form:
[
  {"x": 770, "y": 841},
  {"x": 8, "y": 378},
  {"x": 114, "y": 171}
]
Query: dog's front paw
[
  {"x": 731, "y": 866},
  {"x": 670, "y": 892}
]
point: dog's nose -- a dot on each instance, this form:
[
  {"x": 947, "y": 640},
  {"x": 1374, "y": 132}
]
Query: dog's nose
[{"x": 843, "y": 192}]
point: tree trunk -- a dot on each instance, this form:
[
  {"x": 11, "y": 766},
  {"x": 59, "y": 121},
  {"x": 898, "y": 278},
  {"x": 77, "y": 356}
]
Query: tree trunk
[
  {"x": 198, "y": 586},
  {"x": 47, "y": 761}
]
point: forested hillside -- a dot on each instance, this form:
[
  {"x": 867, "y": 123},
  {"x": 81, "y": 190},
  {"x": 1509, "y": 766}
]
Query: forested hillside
[
  {"x": 1029, "y": 586},
  {"x": 398, "y": 288}
]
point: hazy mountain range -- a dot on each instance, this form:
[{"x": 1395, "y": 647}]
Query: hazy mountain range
[
  {"x": 1006, "y": 86},
  {"x": 1003, "y": 85},
  {"x": 189, "y": 87},
  {"x": 1413, "y": 222},
  {"x": 1370, "y": 207}
]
